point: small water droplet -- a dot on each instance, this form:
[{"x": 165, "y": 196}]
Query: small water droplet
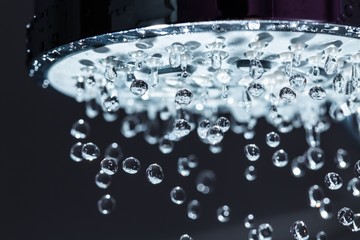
[
  {"x": 186, "y": 237},
  {"x": 106, "y": 204},
  {"x": 315, "y": 71},
  {"x": 183, "y": 97},
  {"x": 131, "y": 165},
  {"x": 298, "y": 82},
  {"x": 130, "y": 126},
  {"x": 110, "y": 73},
  {"x": 314, "y": 158},
  {"x": 357, "y": 169},
  {"x": 92, "y": 108},
  {"x": 250, "y": 173},
  {"x": 339, "y": 84},
  {"x": 194, "y": 209},
  {"x": 342, "y": 159},
  {"x": 139, "y": 87},
  {"x": 102, "y": 180},
  {"x": 183, "y": 166},
  {"x": 109, "y": 165},
  {"x": 90, "y": 151},
  {"x": 255, "y": 89},
  {"x": 316, "y": 196},
  {"x": 317, "y": 93},
  {"x": 321, "y": 235},
  {"x": 114, "y": 150},
  {"x": 326, "y": 209},
  {"x": 111, "y": 103},
  {"x": 345, "y": 216},
  {"x": 333, "y": 181},
  {"x": 253, "y": 234},
  {"x": 178, "y": 195},
  {"x": 223, "y": 123},
  {"x": 215, "y": 148},
  {"x": 272, "y": 139},
  {"x": 215, "y": 135},
  {"x": 331, "y": 65},
  {"x": 299, "y": 231},
  {"x": 265, "y": 231},
  {"x": 205, "y": 181},
  {"x": 181, "y": 128},
  {"x": 256, "y": 69},
  {"x": 155, "y": 174},
  {"x": 249, "y": 221},
  {"x": 354, "y": 187},
  {"x": 252, "y": 152},
  {"x": 287, "y": 94},
  {"x": 280, "y": 158},
  {"x": 76, "y": 152},
  {"x": 203, "y": 128},
  {"x": 166, "y": 146},
  {"x": 298, "y": 166},
  {"x": 80, "y": 129},
  {"x": 223, "y": 213}
]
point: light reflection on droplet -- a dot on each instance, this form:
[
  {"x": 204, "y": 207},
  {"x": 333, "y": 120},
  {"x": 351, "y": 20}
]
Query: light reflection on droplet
[{"x": 223, "y": 213}]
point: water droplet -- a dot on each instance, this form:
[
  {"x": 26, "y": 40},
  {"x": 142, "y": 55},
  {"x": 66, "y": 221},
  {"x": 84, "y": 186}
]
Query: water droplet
[
  {"x": 181, "y": 128},
  {"x": 357, "y": 169},
  {"x": 288, "y": 70},
  {"x": 252, "y": 152},
  {"x": 109, "y": 165},
  {"x": 249, "y": 221},
  {"x": 321, "y": 235},
  {"x": 92, "y": 108},
  {"x": 250, "y": 173},
  {"x": 265, "y": 231},
  {"x": 298, "y": 166},
  {"x": 253, "y": 234},
  {"x": 205, "y": 181},
  {"x": 183, "y": 166},
  {"x": 90, "y": 151},
  {"x": 354, "y": 187},
  {"x": 130, "y": 126},
  {"x": 178, "y": 195},
  {"x": 331, "y": 65},
  {"x": 299, "y": 231},
  {"x": 298, "y": 82},
  {"x": 256, "y": 89},
  {"x": 185, "y": 237},
  {"x": 183, "y": 97},
  {"x": 339, "y": 84},
  {"x": 203, "y": 128},
  {"x": 333, "y": 181},
  {"x": 273, "y": 112},
  {"x": 355, "y": 226},
  {"x": 317, "y": 93},
  {"x": 326, "y": 209},
  {"x": 215, "y": 148},
  {"x": 111, "y": 104},
  {"x": 256, "y": 69},
  {"x": 155, "y": 174},
  {"x": 314, "y": 158},
  {"x": 223, "y": 123},
  {"x": 345, "y": 216},
  {"x": 102, "y": 180},
  {"x": 106, "y": 204},
  {"x": 131, "y": 165},
  {"x": 223, "y": 76},
  {"x": 166, "y": 146},
  {"x": 342, "y": 159},
  {"x": 280, "y": 158},
  {"x": 80, "y": 129},
  {"x": 223, "y": 213},
  {"x": 114, "y": 150},
  {"x": 110, "y": 73},
  {"x": 139, "y": 87},
  {"x": 316, "y": 196},
  {"x": 193, "y": 209},
  {"x": 215, "y": 135},
  {"x": 315, "y": 71},
  {"x": 287, "y": 94},
  {"x": 76, "y": 152}
]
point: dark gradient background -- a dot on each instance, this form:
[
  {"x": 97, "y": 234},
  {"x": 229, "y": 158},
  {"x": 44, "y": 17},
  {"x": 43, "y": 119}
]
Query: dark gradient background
[{"x": 48, "y": 196}]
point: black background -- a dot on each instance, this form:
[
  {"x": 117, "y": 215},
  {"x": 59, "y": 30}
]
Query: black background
[{"x": 48, "y": 196}]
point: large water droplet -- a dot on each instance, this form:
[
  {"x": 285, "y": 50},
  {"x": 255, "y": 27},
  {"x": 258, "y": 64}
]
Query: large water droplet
[
  {"x": 342, "y": 159},
  {"x": 333, "y": 181},
  {"x": 321, "y": 235},
  {"x": 205, "y": 181},
  {"x": 316, "y": 196},
  {"x": 314, "y": 158},
  {"x": 215, "y": 135},
  {"x": 102, "y": 180},
  {"x": 354, "y": 187},
  {"x": 223, "y": 213},
  {"x": 265, "y": 231},
  {"x": 106, "y": 204},
  {"x": 252, "y": 152},
  {"x": 272, "y": 139},
  {"x": 256, "y": 69},
  {"x": 317, "y": 93},
  {"x": 166, "y": 146},
  {"x": 298, "y": 82},
  {"x": 223, "y": 123},
  {"x": 155, "y": 174},
  {"x": 345, "y": 216},
  {"x": 249, "y": 221},
  {"x": 250, "y": 173},
  {"x": 326, "y": 209},
  {"x": 186, "y": 237},
  {"x": 178, "y": 195},
  {"x": 193, "y": 209},
  {"x": 181, "y": 128},
  {"x": 76, "y": 152},
  {"x": 287, "y": 94},
  {"x": 139, "y": 87},
  {"x": 80, "y": 129},
  {"x": 280, "y": 158},
  {"x": 114, "y": 150},
  {"x": 90, "y": 151},
  {"x": 109, "y": 165},
  {"x": 299, "y": 231},
  {"x": 183, "y": 97},
  {"x": 131, "y": 165}
]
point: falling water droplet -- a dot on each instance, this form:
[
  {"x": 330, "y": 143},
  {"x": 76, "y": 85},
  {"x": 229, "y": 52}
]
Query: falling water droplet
[
  {"x": 80, "y": 129},
  {"x": 298, "y": 166},
  {"x": 315, "y": 71},
  {"x": 183, "y": 166},
  {"x": 287, "y": 94},
  {"x": 131, "y": 165},
  {"x": 314, "y": 158},
  {"x": 139, "y": 87},
  {"x": 339, "y": 84},
  {"x": 215, "y": 135},
  {"x": 205, "y": 181},
  {"x": 353, "y": 187},
  {"x": 345, "y": 216},
  {"x": 256, "y": 69},
  {"x": 92, "y": 108},
  {"x": 250, "y": 173},
  {"x": 298, "y": 82},
  {"x": 166, "y": 146},
  {"x": 355, "y": 226},
  {"x": 106, "y": 204},
  {"x": 321, "y": 235},
  {"x": 288, "y": 68},
  {"x": 183, "y": 97},
  {"x": 331, "y": 65},
  {"x": 111, "y": 103},
  {"x": 215, "y": 148},
  {"x": 193, "y": 209},
  {"x": 186, "y": 237},
  {"x": 280, "y": 158},
  {"x": 178, "y": 195},
  {"x": 155, "y": 174},
  {"x": 316, "y": 196},
  {"x": 333, "y": 181},
  {"x": 102, "y": 180},
  {"x": 130, "y": 126},
  {"x": 223, "y": 123},
  {"x": 317, "y": 93},
  {"x": 90, "y": 151},
  {"x": 181, "y": 128},
  {"x": 109, "y": 166},
  {"x": 299, "y": 231},
  {"x": 203, "y": 128},
  {"x": 114, "y": 150},
  {"x": 252, "y": 152},
  {"x": 256, "y": 89},
  {"x": 357, "y": 169},
  {"x": 342, "y": 159},
  {"x": 326, "y": 209},
  {"x": 76, "y": 152},
  {"x": 253, "y": 234},
  {"x": 265, "y": 231},
  {"x": 249, "y": 221},
  {"x": 110, "y": 73},
  {"x": 223, "y": 213}
]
